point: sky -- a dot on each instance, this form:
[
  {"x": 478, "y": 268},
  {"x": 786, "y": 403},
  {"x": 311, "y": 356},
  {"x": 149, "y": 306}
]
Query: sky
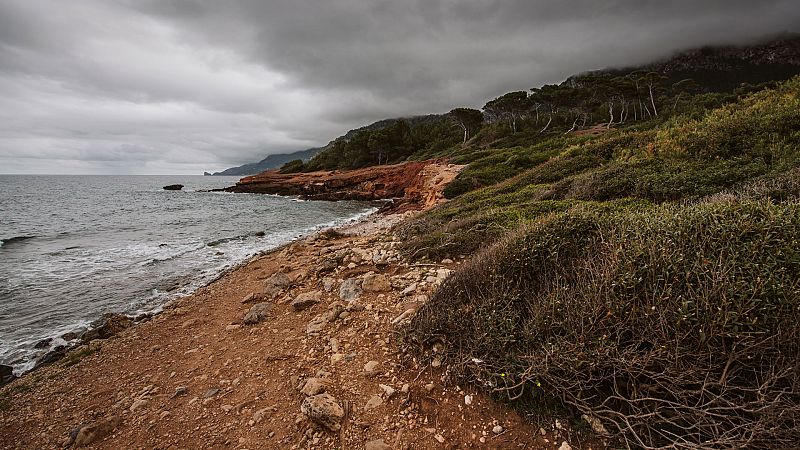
[{"x": 186, "y": 86}]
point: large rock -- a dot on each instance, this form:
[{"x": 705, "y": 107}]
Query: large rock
[
  {"x": 114, "y": 324},
  {"x": 377, "y": 444},
  {"x": 257, "y": 313},
  {"x": 44, "y": 343},
  {"x": 315, "y": 386},
  {"x": 324, "y": 410},
  {"x": 94, "y": 432},
  {"x": 6, "y": 374},
  {"x": 111, "y": 325},
  {"x": 376, "y": 282},
  {"x": 328, "y": 265},
  {"x": 173, "y": 187},
  {"x": 52, "y": 356},
  {"x": 369, "y": 183},
  {"x": 306, "y": 299},
  {"x": 276, "y": 284},
  {"x": 350, "y": 289}
]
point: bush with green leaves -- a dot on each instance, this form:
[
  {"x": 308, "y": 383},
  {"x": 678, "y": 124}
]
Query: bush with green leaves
[
  {"x": 293, "y": 166},
  {"x": 675, "y": 326}
]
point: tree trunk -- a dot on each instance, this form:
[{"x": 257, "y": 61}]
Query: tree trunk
[
  {"x": 647, "y": 110},
  {"x": 610, "y": 114},
  {"x": 550, "y": 119},
  {"x": 652, "y": 100},
  {"x": 675, "y": 105},
  {"x": 573, "y": 125}
]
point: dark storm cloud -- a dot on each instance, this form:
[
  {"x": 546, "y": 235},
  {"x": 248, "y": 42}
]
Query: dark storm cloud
[{"x": 189, "y": 85}]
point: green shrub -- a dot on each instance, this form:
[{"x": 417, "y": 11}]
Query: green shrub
[
  {"x": 459, "y": 186},
  {"x": 293, "y": 166},
  {"x": 674, "y": 325}
]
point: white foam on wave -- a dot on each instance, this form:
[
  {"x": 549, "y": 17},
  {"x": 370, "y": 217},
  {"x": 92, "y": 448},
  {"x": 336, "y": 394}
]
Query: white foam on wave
[
  {"x": 202, "y": 265},
  {"x": 234, "y": 253},
  {"x": 22, "y": 349}
]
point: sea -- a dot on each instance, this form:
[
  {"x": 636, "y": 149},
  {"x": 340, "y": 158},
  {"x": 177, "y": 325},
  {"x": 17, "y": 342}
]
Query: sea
[{"x": 73, "y": 248}]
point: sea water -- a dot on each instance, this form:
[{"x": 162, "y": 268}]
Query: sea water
[{"x": 75, "y": 247}]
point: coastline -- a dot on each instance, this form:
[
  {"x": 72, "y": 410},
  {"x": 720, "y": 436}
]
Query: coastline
[
  {"x": 67, "y": 338},
  {"x": 198, "y": 367}
]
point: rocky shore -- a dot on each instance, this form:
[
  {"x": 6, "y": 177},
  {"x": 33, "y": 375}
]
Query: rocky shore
[
  {"x": 299, "y": 348},
  {"x": 411, "y": 185}
]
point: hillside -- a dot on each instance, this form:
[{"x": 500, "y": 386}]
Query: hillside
[
  {"x": 646, "y": 279},
  {"x": 631, "y": 240},
  {"x": 687, "y": 83}
]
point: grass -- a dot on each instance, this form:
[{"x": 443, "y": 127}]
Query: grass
[
  {"x": 77, "y": 356},
  {"x": 7, "y": 394}
]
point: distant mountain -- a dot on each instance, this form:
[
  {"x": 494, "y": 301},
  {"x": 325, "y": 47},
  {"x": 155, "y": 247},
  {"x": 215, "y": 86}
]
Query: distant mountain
[
  {"x": 724, "y": 68},
  {"x": 270, "y": 162}
]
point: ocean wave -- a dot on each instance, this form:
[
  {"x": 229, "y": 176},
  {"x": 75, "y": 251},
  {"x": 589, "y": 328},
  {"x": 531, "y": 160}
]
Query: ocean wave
[
  {"x": 240, "y": 237},
  {"x": 183, "y": 250},
  {"x": 14, "y": 240},
  {"x": 134, "y": 269}
]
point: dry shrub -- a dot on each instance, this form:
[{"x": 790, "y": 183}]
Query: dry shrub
[
  {"x": 784, "y": 186},
  {"x": 676, "y": 327}
]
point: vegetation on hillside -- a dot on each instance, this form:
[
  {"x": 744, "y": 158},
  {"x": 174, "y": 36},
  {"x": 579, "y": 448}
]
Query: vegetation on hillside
[
  {"x": 631, "y": 248},
  {"x": 683, "y": 158},
  {"x": 672, "y": 325},
  {"x": 647, "y": 278}
]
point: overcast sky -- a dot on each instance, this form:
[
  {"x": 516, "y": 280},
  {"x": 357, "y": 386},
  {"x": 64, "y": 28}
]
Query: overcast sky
[{"x": 183, "y": 86}]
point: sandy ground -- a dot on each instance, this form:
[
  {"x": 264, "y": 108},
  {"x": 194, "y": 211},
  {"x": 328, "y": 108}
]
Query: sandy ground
[{"x": 198, "y": 376}]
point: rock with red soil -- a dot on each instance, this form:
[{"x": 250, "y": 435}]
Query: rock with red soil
[
  {"x": 324, "y": 410},
  {"x": 413, "y": 185},
  {"x": 315, "y": 386},
  {"x": 94, "y": 432},
  {"x": 306, "y": 300},
  {"x": 257, "y": 313},
  {"x": 276, "y": 284},
  {"x": 111, "y": 325},
  {"x": 376, "y": 282},
  {"x": 350, "y": 289}
]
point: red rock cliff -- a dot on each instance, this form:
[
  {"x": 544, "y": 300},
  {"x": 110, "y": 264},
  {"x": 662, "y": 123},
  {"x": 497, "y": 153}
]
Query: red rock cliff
[{"x": 413, "y": 185}]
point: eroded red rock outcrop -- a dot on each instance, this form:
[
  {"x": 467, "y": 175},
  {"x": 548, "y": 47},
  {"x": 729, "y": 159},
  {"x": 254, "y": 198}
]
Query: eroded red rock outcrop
[{"x": 412, "y": 185}]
